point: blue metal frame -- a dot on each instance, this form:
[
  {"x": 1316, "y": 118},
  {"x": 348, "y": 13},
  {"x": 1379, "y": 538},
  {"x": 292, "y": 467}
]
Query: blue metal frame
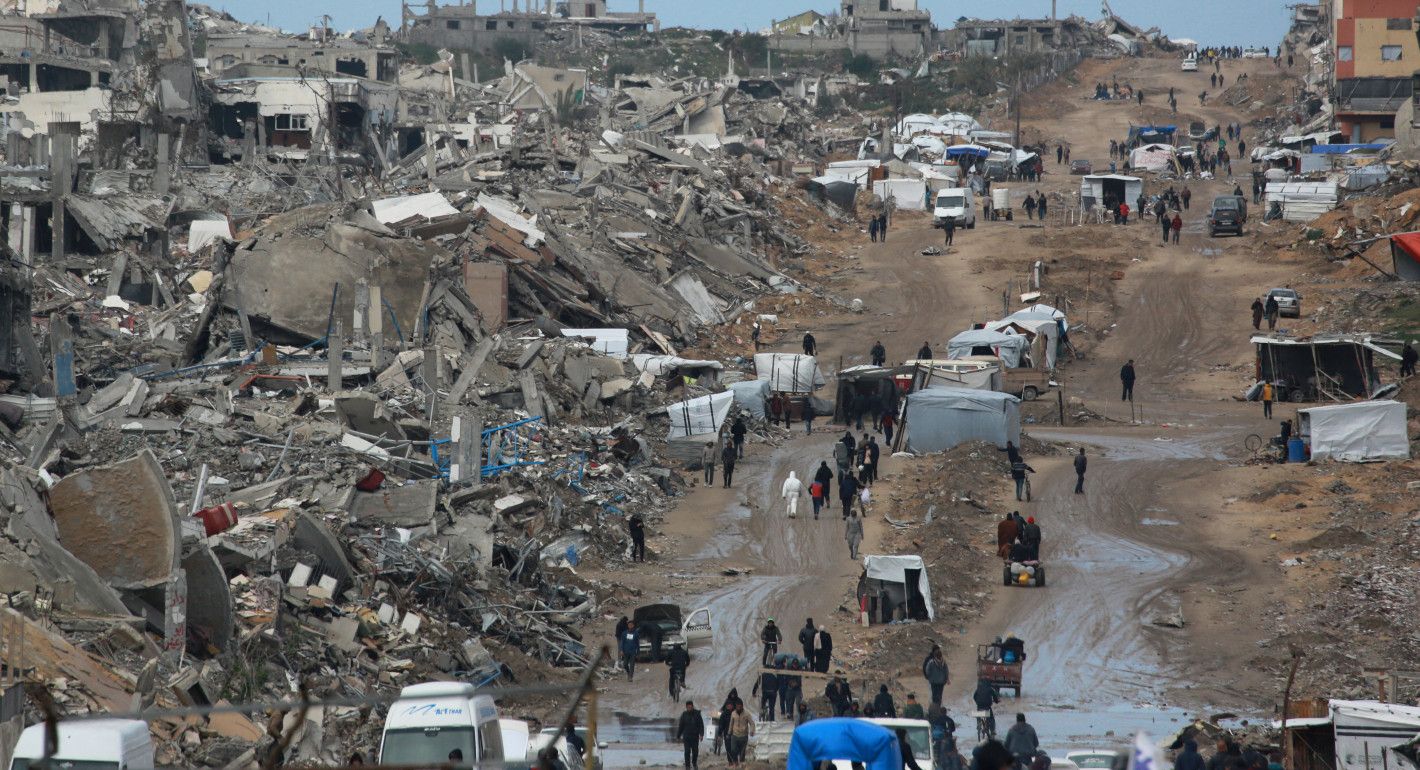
[{"x": 509, "y": 442}]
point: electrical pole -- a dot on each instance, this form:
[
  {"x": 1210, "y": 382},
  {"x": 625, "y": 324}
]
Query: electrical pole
[{"x": 1016, "y": 103}]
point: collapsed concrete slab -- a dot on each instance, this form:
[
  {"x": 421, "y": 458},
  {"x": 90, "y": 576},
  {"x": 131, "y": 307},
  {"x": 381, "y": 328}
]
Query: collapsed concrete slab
[
  {"x": 209, "y": 598},
  {"x": 411, "y": 505},
  {"x": 120, "y": 520},
  {"x": 311, "y": 534}
]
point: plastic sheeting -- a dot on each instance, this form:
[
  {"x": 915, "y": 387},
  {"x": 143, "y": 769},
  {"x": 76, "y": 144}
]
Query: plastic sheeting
[
  {"x": 788, "y": 372},
  {"x": 751, "y": 395},
  {"x": 611, "y": 342},
  {"x": 1152, "y": 157},
  {"x": 700, "y": 416},
  {"x": 907, "y": 194},
  {"x": 1370, "y": 430},
  {"x": 938, "y": 419},
  {"x": 659, "y": 365},
  {"x": 846, "y": 739},
  {"x": 1008, "y": 347},
  {"x": 893, "y": 569}
]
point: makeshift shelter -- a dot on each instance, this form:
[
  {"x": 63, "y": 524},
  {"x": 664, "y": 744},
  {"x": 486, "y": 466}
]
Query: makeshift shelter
[
  {"x": 1043, "y": 333},
  {"x": 1368, "y": 430},
  {"x": 699, "y": 417},
  {"x": 907, "y": 194},
  {"x": 833, "y": 189},
  {"x": 844, "y": 738},
  {"x": 937, "y": 419},
  {"x": 866, "y": 390},
  {"x": 611, "y": 342},
  {"x": 1153, "y": 157},
  {"x": 895, "y": 588},
  {"x": 1405, "y": 255},
  {"x": 788, "y": 372},
  {"x": 751, "y": 396},
  {"x": 967, "y": 151},
  {"x": 981, "y": 342},
  {"x": 702, "y": 372},
  {"x": 1301, "y": 201},
  {"x": 1355, "y": 735},
  {"x": 1095, "y": 189},
  {"x": 1338, "y": 368}
]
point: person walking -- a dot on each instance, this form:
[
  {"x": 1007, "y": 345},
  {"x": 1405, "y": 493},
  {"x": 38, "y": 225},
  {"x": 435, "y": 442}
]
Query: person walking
[
  {"x": 935, "y": 671},
  {"x": 883, "y": 706},
  {"x": 872, "y": 459},
  {"x": 1040, "y": 205},
  {"x": 1019, "y": 469},
  {"x": 1030, "y": 207},
  {"x": 1257, "y": 311},
  {"x": 636, "y": 526},
  {"x": 810, "y": 344},
  {"x": 754, "y": 335},
  {"x": 1185, "y": 196},
  {"x": 873, "y": 229},
  {"x": 690, "y": 731},
  {"x": 1006, "y": 532},
  {"x": 824, "y": 476},
  {"x": 741, "y": 729},
  {"x": 1177, "y": 226},
  {"x": 888, "y": 422},
  {"x": 791, "y": 491},
  {"x": 1080, "y": 464},
  {"x": 738, "y": 431},
  {"x": 1271, "y": 310},
  {"x": 1267, "y": 400},
  {"x": 1059, "y": 154},
  {"x": 1408, "y": 358},
  {"x": 841, "y": 456},
  {"x": 823, "y": 650},
  {"x": 816, "y": 496},
  {"x": 924, "y": 353},
  {"x": 628, "y": 643},
  {"x": 838, "y": 694},
  {"x": 1123, "y": 213},
  {"x": 1189, "y": 758},
  {"x": 707, "y": 460},
  {"x": 806, "y": 638},
  {"x": 847, "y": 492},
  {"x": 949, "y": 229},
  {"x": 853, "y": 533},
  {"x": 727, "y": 459},
  {"x": 1166, "y": 224},
  {"x": 882, "y": 227},
  {"x": 808, "y": 415},
  {"x": 1126, "y": 379},
  {"x": 878, "y": 353}
]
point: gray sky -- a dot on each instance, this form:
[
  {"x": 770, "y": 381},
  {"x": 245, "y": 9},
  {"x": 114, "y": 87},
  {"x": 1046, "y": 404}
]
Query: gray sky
[{"x": 1224, "y": 22}]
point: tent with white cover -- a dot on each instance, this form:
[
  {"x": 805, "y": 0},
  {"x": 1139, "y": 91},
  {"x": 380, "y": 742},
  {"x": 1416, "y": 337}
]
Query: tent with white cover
[
  {"x": 937, "y": 419},
  {"x": 788, "y": 372},
  {"x": 1043, "y": 333},
  {"x": 1152, "y": 157},
  {"x": 907, "y": 194},
  {"x": 958, "y": 123},
  {"x": 1366, "y": 430},
  {"x": 983, "y": 342},
  {"x": 701, "y": 416},
  {"x": 915, "y": 124},
  {"x": 896, "y": 582}
]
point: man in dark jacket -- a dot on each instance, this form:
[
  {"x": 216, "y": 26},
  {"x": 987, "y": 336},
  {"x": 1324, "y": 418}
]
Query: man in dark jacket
[
  {"x": 879, "y": 354},
  {"x": 1021, "y": 741},
  {"x": 1271, "y": 310},
  {"x": 1080, "y": 463},
  {"x": 810, "y": 344},
  {"x": 678, "y": 662},
  {"x": 767, "y": 688},
  {"x": 1189, "y": 758},
  {"x": 628, "y": 643},
  {"x": 934, "y": 670},
  {"x": 806, "y": 639},
  {"x": 738, "y": 431},
  {"x": 771, "y": 637},
  {"x": 839, "y": 695},
  {"x": 727, "y": 459},
  {"x": 1257, "y": 311},
  {"x": 985, "y": 697},
  {"x": 1018, "y": 474},
  {"x": 824, "y": 476},
  {"x": 924, "y": 353},
  {"x": 636, "y": 526},
  {"x": 883, "y": 705},
  {"x": 847, "y": 492},
  {"x": 690, "y": 730},
  {"x": 1030, "y": 537},
  {"x": 1408, "y": 358},
  {"x": 1126, "y": 378},
  {"x": 1007, "y": 530}
]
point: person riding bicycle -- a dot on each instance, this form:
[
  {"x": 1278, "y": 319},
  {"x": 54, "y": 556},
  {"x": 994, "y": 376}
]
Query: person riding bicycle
[
  {"x": 771, "y": 637},
  {"x": 984, "y": 698},
  {"x": 678, "y": 661}
]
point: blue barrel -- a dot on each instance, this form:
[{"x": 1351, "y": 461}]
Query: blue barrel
[{"x": 1296, "y": 451}]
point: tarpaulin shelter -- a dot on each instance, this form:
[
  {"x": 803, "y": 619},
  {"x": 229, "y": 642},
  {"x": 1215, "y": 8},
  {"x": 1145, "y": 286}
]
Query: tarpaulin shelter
[
  {"x": 699, "y": 416},
  {"x": 1338, "y": 368},
  {"x": 907, "y": 194},
  {"x": 751, "y": 396},
  {"x": 893, "y": 583},
  {"x": 1095, "y": 189},
  {"x": 867, "y": 390},
  {"x": 981, "y": 342},
  {"x": 844, "y": 738},
  {"x": 1151, "y": 133},
  {"x": 611, "y": 342},
  {"x": 834, "y": 189},
  {"x": 1302, "y": 201},
  {"x": 788, "y": 372},
  {"x": 937, "y": 419},
  {"x": 1043, "y": 333},
  {"x": 967, "y": 150},
  {"x": 1153, "y": 157},
  {"x": 1368, "y": 430},
  {"x": 1405, "y": 255}
]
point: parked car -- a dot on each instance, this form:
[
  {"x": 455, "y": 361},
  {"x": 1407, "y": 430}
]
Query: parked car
[
  {"x": 1255, "y": 53},
  {"x": 1081, "y": 167},
  {"x": 1289, "y": 302},
  {"x": 1091, "y": 760},
  {"x": 957, "y": 204},
  {"x": 1226, "y": 216},
  {"x": 662, "y": 627},
  {"x": 1190, "y": 64}
]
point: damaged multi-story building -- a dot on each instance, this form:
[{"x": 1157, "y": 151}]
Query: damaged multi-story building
[
  {"x": 463, "y": 27},
  {"x": 877, "y": 28}
]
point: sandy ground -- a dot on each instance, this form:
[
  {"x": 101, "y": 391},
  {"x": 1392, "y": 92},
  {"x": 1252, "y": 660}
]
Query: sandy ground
[{"x": 1147, "y": 539}]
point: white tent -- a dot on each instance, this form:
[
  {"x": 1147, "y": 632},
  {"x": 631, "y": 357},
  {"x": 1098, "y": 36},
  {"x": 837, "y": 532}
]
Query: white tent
[
  {"x": 907, "y": 194},
  {"x": 1302, "y": 201},
  {"x": 701, "y": 416},
  {"x": 915, "y": 124},
  {"x": 788, "y": 372},
  {"x": 1367, "y": 430},
  {"x": 1007, "y": 347},
  {"x": 938, "y": 419},
  {"x": 1094, "y": 188},
  {"x": 1042, "y": 329},
  {"x": 899, "y": 569},
  {"x": 1152, "y": 157}
]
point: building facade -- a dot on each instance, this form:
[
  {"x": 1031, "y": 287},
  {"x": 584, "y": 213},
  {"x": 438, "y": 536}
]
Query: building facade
[
  {"x": 1375, "y": 54},
  {"x": 462, "y": 28}
]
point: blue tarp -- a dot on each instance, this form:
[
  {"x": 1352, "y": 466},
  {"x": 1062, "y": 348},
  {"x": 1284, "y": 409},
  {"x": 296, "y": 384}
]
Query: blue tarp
[
  {"x": 1342, "y": 149},
  {"x": 974, "y": 150},
  {"x": 844, "y": 738},
  {"x": 1165, "y": 130}
]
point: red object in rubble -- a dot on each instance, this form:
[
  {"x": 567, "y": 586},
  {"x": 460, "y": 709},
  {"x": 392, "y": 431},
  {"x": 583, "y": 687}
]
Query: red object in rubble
[
  {"x": 372, "y": 481},
  {"x": 218, "y": 518}
]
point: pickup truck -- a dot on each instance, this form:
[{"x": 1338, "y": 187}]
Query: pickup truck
[{"x": 663, "y": 626}]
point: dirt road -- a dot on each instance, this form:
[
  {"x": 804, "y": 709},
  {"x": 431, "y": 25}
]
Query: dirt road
[{"x": 1120, "y": 555}]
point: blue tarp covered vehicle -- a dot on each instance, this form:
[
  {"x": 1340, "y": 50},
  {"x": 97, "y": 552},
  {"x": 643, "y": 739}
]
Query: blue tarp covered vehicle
[{"x": 844, "y": 738}]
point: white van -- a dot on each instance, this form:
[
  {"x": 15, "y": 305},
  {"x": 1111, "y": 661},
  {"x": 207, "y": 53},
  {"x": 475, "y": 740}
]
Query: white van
[
  {"x": 432, "y": 721},
  {"x": 93, "y": 744},
  {"x": 957, "y": 204}
]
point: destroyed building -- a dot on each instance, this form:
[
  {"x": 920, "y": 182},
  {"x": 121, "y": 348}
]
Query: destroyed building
[
  {"x": 877, "y": 28},
  {"x": 462, "y": 27}
]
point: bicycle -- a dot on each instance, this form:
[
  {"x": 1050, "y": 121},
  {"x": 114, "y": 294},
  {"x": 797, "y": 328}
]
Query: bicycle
[
  {"x": 1254, "y": 444},
  {"x": 677, "y": 683},
  {"x": 985, "y": 725}
]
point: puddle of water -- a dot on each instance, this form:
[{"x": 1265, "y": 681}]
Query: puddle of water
[{"x": 1151, "y": 522}]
